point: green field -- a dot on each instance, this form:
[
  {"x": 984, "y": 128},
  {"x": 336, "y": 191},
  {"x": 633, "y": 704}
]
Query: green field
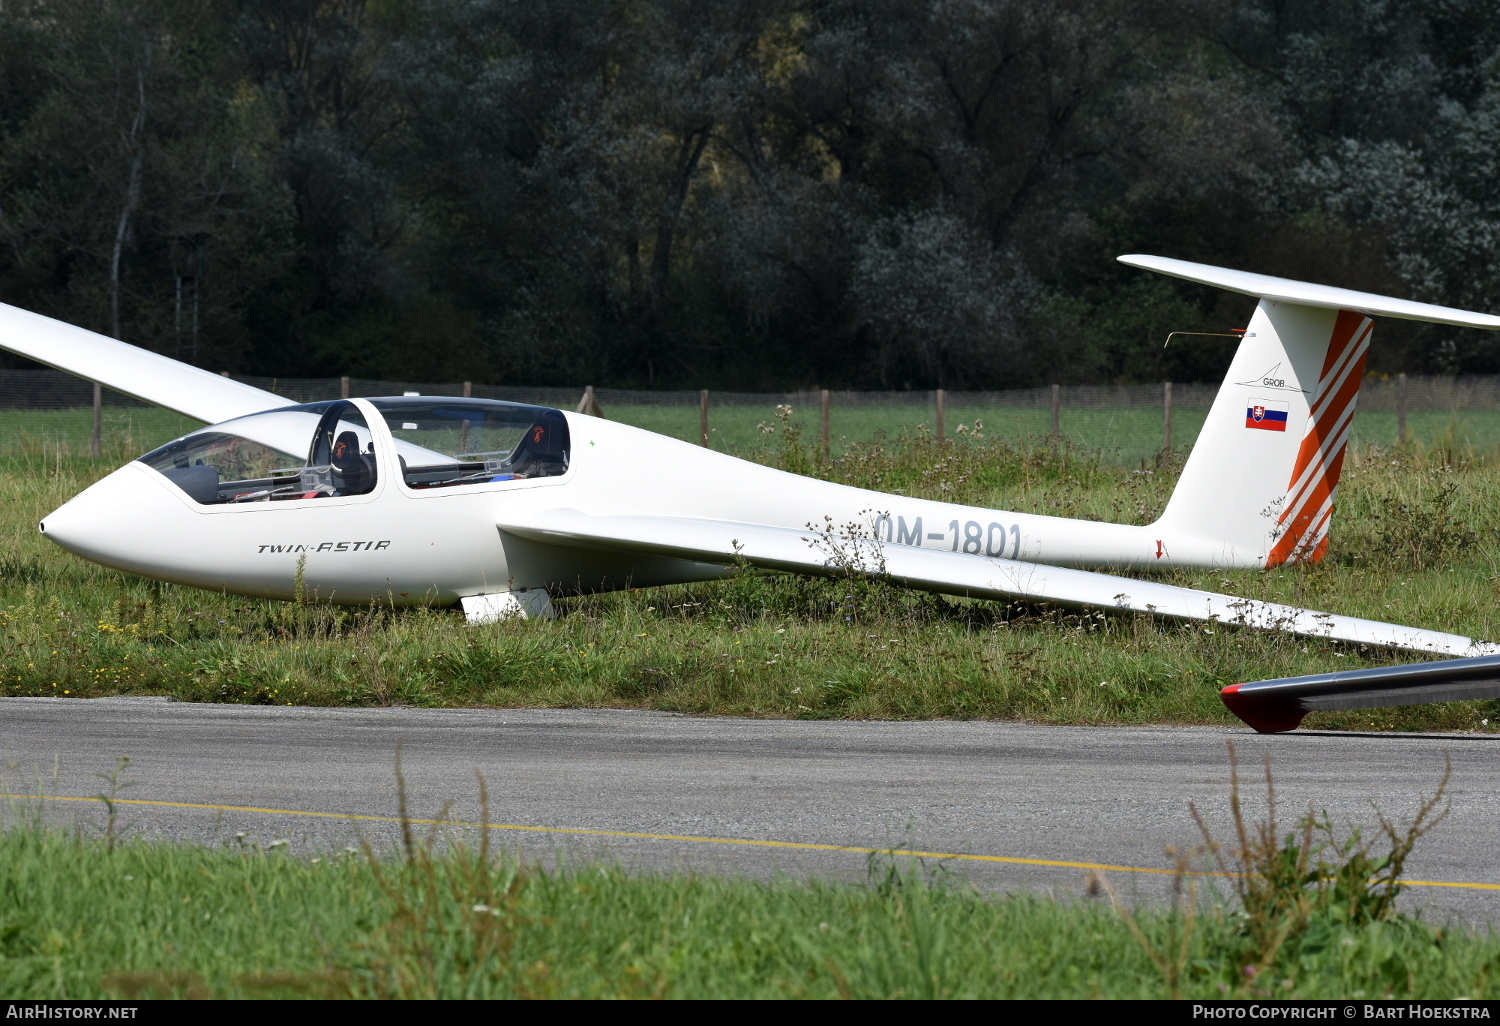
[
  {"x": 1414, "y": 542},
  {"x": 1125, "y": 436}
]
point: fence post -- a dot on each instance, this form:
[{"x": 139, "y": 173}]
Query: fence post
[
  {"x": 468, "y": 389},
  {"x": 344, "y": 387},
  {"x": 1401, "y": 408},
  {"x": 1166, "y": 410},
  {"x": 942, "y": 412},
  {"x": 825, "y": 399},
  {"x": 588, "y": 404},
  {"x": 703, "y": 416},
  {"x": 98, "y": 420},
  {"x": 1056, "y": 410}
]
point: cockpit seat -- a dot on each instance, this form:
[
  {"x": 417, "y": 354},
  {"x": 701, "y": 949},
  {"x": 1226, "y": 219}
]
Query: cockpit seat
[
  {"x": 542, "y": 451},
  {"x": 357, "y": 469},
  {"x": 199, "y": 481}
]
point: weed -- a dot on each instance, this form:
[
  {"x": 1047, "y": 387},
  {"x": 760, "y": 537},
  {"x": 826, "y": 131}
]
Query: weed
[
  {"x": 1309, "y": 879},
  {"x": 108, "y": 797},
  {"x": 453, "y": 919}
]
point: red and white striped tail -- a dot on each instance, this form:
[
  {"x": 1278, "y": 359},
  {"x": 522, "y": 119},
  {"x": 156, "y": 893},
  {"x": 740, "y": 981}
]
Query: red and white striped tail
[
  {"x": 1256, "y": 490},
  {"x": 1253, "y": 492},
  {"x": 1302, "y": 527}
]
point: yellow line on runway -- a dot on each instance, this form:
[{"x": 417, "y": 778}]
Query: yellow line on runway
[{"x": 695, "y": 839}]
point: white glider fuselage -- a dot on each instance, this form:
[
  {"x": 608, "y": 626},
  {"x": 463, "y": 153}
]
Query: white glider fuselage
[{"x": 411, "y": 546}]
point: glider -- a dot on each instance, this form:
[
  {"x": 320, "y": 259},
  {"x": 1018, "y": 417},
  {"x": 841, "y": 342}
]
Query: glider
[{"x": 497, "y": 507}]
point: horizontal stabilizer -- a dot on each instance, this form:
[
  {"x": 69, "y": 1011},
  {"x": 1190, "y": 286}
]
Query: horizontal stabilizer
[
  {"x": 1301, "y": 293},
  {"x": 1272, "y": 706},
  {"x": 160, "y": 380},
  {"x": 955, "y": 573}
]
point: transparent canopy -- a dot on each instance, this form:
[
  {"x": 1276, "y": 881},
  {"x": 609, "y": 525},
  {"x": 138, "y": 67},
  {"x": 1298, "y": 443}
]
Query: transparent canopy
[
  {"x": 446, "y": 442},
  {"x": 325, "y": 449},
  {"x": 297, "y": 452}
]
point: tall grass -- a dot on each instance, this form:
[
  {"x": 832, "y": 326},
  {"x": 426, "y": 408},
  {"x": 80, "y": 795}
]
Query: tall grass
[{"x": 1414, "y": 541}]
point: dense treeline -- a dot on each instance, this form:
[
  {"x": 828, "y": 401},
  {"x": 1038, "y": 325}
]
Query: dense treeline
[{"x": 739, "y": 193}]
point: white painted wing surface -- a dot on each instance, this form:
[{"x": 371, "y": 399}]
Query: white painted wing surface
[
  {"x": 955, "y": 573},
  {"x": 1302, "y": 293},
  {"x": 157, "y": 379}
]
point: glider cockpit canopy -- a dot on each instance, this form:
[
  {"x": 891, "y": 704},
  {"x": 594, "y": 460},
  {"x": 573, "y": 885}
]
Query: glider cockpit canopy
[
  {"x": 448, "y": 442},
  {"x": 327, "y": 449}
]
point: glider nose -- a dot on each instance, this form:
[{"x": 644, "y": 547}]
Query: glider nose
[
  {"x": 109, "y": 521},
  {"x": 71, "y": 524}
]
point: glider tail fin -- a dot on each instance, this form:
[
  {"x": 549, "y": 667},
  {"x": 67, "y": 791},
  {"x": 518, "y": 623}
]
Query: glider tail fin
[
  {"x": 1259, "y": 485},
  {"x": 1260, "y": 482}
]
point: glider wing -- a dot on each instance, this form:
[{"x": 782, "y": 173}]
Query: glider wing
[
  {"x": 831, "y": 554},
  {"x": 192, "y": 391},
  {"x": 1271, "y": 706}
]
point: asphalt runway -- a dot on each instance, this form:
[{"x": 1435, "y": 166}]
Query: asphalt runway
[{"x": 750, "y": 797}]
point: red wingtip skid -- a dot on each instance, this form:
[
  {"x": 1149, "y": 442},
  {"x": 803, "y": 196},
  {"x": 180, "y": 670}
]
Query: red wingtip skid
[{"x": 1267, "y": 715}]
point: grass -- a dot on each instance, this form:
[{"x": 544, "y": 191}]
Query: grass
[
  {"x": 1414, "y": 542},
  {"x": 1123, "y": 436},
  {"x": 84, "y": 914}
]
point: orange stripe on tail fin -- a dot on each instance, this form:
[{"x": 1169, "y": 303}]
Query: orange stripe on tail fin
[{"x": 1304, "y": 519}]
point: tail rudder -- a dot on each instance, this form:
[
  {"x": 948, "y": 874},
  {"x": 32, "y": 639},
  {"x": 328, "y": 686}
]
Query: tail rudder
[{"x": 1301, "y": 530}]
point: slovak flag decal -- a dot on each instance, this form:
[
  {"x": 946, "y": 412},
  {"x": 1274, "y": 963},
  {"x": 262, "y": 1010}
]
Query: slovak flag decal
[{"x": 1265, "y": 415}]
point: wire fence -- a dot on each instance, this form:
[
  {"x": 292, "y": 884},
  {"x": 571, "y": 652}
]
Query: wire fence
[{"x": 1128, "y": 423}]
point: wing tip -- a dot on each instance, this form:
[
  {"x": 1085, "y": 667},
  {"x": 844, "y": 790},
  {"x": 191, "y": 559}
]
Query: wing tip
[{"x": 1267, "y": 715}]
